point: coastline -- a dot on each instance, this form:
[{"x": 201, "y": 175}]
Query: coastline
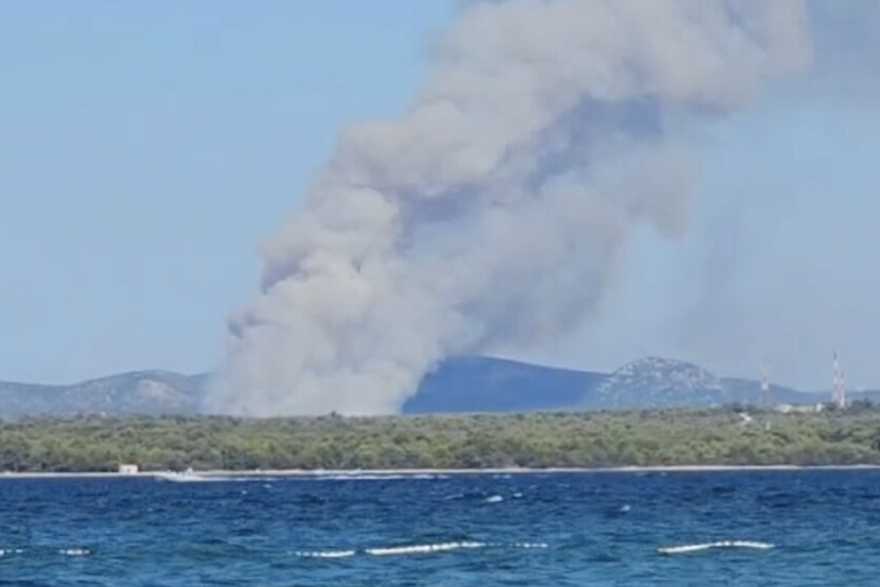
[{"x": 415, "y": 473}]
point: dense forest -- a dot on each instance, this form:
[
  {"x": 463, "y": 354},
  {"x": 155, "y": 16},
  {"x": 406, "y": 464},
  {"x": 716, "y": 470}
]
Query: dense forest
[{"x": 723, "y": 436}]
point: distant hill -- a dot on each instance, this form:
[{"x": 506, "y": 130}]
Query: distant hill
[
  {"x": 139, "y": 392},
  {"x": 483, "y": 384},
  {"x": 463, "y": 384},
  {"x": 749, "y": 391},
  {"x": 655, "y": 382}
]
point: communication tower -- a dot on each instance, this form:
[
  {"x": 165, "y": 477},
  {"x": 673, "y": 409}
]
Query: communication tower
[
  {"x": 765, "y": 386},
  {"x": 838, "y": 389}
]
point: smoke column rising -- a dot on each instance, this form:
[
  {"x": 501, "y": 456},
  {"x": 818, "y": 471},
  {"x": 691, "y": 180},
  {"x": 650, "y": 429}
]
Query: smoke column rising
[{"x": 493, "y": 211}]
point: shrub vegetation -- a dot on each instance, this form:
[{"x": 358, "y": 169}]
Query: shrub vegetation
[{"x": 568, "y": 439}]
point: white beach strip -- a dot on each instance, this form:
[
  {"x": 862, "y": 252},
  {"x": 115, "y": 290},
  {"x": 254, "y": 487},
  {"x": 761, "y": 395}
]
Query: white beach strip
[{"x": 411, "y": 473}]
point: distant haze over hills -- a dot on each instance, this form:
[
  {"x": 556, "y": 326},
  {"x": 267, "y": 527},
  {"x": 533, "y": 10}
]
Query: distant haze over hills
[{"x": 464, "y": 384}]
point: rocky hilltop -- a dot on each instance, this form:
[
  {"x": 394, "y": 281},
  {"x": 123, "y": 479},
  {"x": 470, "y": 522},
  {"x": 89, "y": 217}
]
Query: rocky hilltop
[{"x": 656, "y": 382}]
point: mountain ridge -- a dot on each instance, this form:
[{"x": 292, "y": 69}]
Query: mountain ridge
[{"x": 456, "y": 385}]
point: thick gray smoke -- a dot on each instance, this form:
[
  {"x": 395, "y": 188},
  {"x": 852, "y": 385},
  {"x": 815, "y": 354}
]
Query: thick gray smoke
[{"x": 494, "y": 210}]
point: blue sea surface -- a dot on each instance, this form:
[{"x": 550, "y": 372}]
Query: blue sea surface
[{"x": 445, "y": 531}]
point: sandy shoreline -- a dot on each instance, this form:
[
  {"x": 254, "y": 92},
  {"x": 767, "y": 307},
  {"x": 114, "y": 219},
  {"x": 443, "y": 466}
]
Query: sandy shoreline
[{"x": 356, "y": 473}]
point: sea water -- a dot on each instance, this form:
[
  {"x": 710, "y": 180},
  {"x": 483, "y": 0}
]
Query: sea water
[{"x": 768, "y": 528}]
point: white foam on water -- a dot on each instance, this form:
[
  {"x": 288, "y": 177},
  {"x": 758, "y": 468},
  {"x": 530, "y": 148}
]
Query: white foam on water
[
  {"x": 75, "y": 552},
  {"x": 374, "y": 476},
  {"x": 494, "y": 499},
  {"x": 423, "y": 548},
  {"x": 687, "y": 548},
  {"x": 326, "y": 554},
  {"x": 415, "y": 549},
  {"x": 531, "y": 545}
]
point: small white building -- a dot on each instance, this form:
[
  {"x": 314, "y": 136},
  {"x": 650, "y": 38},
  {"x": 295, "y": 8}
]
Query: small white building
[
  {"x": 125, "y": 469},
  {"x": 799, "y": 409}
]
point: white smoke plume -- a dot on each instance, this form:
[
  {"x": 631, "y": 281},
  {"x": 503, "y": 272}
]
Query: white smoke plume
[{"x": 493, "y": 211}]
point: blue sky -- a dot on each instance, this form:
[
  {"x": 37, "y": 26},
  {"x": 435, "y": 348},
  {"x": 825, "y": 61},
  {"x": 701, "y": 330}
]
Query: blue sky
[{"x": 147, "y": 148}]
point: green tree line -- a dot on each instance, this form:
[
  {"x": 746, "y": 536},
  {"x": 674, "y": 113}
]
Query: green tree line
[{"x": 567, "y": 439}]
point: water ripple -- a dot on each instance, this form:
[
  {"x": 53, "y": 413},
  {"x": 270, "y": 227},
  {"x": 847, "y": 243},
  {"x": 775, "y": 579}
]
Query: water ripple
[{"x": 782, "y": 529}]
